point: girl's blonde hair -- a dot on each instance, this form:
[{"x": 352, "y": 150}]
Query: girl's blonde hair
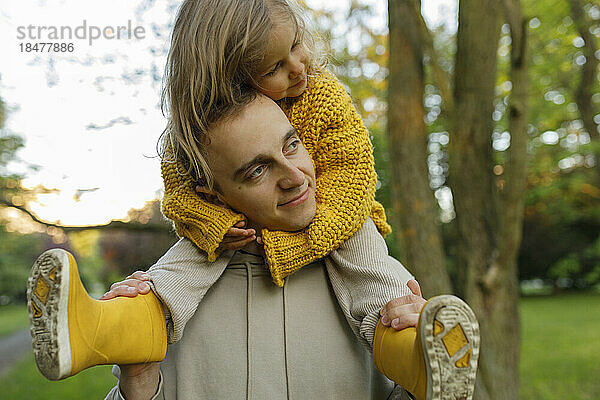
[{"x": 216, "y": 47}]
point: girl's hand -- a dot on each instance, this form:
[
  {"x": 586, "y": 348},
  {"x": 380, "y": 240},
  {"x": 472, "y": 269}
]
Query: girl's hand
[
  {"x": 403, "y": 312},
  {"x": 236, "y": 237},
  {"x": 133, "y": 285}
]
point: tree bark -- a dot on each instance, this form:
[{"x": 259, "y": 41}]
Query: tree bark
[
  {"x": 489, "y": 210},
  {"x": 471, "y": 163},
  {"x": 512, "y": 186},
  {"x": 583, "y": 96},
  {"x": 414, "y": 206}
]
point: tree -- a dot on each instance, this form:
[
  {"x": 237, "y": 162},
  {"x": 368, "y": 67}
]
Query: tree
[
  {"x": 589, "y": 69},
  {"x": 488, "y": 208},
  {"x": 106, "y": 252},
  {"x": 413, "y": 204}
]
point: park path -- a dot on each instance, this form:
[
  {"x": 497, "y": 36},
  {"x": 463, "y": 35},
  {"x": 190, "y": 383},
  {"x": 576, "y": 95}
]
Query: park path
[{"x": 13, "y": 348}]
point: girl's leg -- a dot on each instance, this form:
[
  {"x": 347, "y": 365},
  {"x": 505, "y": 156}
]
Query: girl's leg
[
  {"x": 438, "y": 359},
  {"x": 71, "y": 331}
]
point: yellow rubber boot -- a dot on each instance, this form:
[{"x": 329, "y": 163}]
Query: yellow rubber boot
[
  {"x": 398, "y": 355},
  {"x": 71, "y": 331},
  {"x": 438, "y": 359}
]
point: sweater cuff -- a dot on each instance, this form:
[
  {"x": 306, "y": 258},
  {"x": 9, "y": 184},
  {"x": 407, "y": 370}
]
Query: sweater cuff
[
  {"x": 286, "y": 252},
  {"x": 210, "y": 239},
  {"x": 202, "y": 222}
]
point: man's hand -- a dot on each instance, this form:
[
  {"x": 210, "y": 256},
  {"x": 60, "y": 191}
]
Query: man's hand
[
  {"x": 139, "y": 381},
  {"x": 133, "y": 285},
  {"x": 403, "y": 312}
]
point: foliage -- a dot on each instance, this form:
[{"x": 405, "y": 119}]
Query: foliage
[
  {"x": 562, "y": 221},
  {"x": 86, "y": 248},
  {"x": 17, "y": 254},
  {"x": 562, "y": 215},
  {"x": 125, "y": 252},
  {"x": 9, "y": 145}
]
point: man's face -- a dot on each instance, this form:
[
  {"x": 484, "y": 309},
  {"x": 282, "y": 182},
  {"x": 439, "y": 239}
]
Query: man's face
[{"x": 261, "y": 168}]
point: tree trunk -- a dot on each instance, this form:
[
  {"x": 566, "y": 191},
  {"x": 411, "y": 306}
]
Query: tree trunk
[
  {"x": 486, "y": 258},
  {"x": 414, "y": 206},
  {"x": 512, "y": 186},
  {"x": 583, "y": 96}
]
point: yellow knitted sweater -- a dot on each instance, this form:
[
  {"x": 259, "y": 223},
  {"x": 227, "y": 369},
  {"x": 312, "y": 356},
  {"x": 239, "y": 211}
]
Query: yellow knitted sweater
[{"x": 339, "y": 145}]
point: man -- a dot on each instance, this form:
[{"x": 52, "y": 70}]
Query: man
[{"x": 262, "y": 170}]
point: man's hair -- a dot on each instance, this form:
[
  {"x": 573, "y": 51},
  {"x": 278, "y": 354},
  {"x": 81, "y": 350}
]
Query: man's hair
[{"x": 216, "y": 48}]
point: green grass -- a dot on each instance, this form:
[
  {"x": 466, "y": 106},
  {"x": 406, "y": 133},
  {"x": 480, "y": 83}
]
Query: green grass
[
  {"x": 13, "y": 318},
  {"x": 24, "y": 381},
  {"x": 560, "y": 347}
]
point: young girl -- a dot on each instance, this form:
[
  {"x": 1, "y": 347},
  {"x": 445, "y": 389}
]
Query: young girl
[{"x": 221, "y": 52}]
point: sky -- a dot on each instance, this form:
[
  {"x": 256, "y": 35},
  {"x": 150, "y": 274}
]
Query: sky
[{"x": 90, "y": 117}]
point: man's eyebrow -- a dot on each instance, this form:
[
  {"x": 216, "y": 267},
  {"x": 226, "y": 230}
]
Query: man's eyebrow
[
  {"x": 262, "y": 158},
  {"x": 289, "y": 134}
]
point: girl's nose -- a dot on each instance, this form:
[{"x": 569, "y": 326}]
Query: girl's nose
[{"x": 296, "y": 67}]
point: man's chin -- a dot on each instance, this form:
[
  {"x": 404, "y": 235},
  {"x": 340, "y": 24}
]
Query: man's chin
[{"x": 295, "y": 224}]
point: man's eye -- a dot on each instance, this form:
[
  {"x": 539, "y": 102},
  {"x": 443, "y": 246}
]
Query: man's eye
[
  {"x": 294, "y": 145},
  {"x": 257, "y": 172}
]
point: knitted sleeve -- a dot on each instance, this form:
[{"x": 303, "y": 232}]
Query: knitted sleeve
[
  {"x": 202, "y": 222},
  {"x": 364, "y": 278},
  {"x": 338, "y": 142}
]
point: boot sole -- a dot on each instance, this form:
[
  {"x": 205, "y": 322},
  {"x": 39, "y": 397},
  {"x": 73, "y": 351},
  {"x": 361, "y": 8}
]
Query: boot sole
[
  {"x": 450, "y": 340},
  {"x": 47, "y": 303}
]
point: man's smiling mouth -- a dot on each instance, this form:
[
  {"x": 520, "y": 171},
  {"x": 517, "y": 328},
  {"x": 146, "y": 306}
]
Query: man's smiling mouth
[{"x": 296, "y": 200}]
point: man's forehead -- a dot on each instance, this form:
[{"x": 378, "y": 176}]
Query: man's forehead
[{"x": 260, "y": 129}]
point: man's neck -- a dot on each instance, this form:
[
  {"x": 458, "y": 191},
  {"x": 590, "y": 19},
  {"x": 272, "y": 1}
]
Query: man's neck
[{"x": 254, "y": 248}]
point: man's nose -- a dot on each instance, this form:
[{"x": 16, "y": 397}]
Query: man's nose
[{"x": 292, "y": 177}]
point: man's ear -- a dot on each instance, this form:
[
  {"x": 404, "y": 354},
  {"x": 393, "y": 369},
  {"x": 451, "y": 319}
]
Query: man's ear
[{"x": 211, "y": 195}]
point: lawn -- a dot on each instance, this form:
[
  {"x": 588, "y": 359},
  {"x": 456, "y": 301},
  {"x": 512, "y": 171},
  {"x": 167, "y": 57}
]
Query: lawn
[
  {"x": 560, "y": 356},
  {"x": 560, "y": 349},
  {"x": 24, "y": 381},
  {"x": 13, "y": 318}
]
